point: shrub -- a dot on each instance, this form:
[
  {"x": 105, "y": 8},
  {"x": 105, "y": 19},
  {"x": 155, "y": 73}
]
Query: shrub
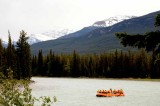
[{"x": 17, "y": 93}]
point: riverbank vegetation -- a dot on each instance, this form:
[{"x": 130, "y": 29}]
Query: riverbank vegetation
[{"x": 15, "y": 92}]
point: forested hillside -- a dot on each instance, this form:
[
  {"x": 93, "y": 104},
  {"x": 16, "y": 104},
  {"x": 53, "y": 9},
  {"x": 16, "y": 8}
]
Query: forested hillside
[{"x": 97, "y": 39}]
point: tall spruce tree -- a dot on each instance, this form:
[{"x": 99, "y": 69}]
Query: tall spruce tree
[
  {"x": 40, "y": 63},
  {"x": 34, "y": 66},
  {"x": 75, "y": 65},
  {"x": 11, "y": 56},
  {"x": 23, "y": 57}
]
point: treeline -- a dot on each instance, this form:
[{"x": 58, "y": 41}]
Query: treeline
[
  {"x": 16, "y": 58},
  {"x": 117, "y": 64}
]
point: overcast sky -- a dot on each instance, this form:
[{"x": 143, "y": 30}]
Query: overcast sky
[{"x": 37, "y": 16}]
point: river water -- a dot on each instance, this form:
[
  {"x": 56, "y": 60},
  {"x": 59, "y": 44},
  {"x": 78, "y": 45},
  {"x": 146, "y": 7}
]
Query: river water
[{"x": 82, "y": 91}]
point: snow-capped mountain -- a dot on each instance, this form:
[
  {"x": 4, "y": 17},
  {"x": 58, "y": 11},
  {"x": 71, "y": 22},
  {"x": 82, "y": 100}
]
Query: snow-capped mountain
[
  {"x": 59, "y": 32},
  {"x": 50, "y": 35},
  {"x": 111, "y": 21}
]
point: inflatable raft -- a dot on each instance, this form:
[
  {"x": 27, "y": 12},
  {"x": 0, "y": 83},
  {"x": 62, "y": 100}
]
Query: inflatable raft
[{"x": 109, "y": 93}]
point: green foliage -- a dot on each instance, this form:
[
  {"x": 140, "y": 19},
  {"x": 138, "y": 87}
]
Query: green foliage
[
  {"x": 12, "y": 96},
  {"x": 17, "y": 93},
  {"x": 132, "y": 40},
  {"x": 157, "y": 61},
  {"x": 47, "y": 100},
  {"x": 67, "y": 67},
  {"x": 150, "y": 41}
]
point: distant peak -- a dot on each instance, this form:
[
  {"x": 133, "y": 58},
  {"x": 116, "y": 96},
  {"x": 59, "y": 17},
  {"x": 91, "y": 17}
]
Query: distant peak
[{"x": 112, "y": 20}]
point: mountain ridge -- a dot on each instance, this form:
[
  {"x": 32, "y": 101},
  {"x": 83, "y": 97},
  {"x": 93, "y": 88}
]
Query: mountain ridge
[
  {"x": 98, "y": 40},
  {"x": 112, "y": 20},
  {"x": 63, "y": 32}
]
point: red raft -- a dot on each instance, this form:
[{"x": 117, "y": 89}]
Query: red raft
[{"x": 109, "y": 93}]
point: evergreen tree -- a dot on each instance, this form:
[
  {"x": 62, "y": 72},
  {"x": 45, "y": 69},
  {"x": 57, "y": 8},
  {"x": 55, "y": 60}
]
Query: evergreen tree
[
  {"x": 34, "y": 66},
  {"x": 150, "y": 41},
  {"x": 67, "y": 67},
  {"x": 84, "y": 67},
  {"x": 23, "y": 56},
  {"x": 45, "y": 68},
  {"x": 115, "y": 67},
  {"x": 51, "y": 70},
  {"x": 11, "y": 56},
  {"x": 75, "y": 65},
  {"x": 40, "y": 63}
]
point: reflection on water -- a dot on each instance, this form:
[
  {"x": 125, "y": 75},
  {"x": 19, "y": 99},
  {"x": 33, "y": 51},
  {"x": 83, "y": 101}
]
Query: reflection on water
[{"x": 82, "y": 92}]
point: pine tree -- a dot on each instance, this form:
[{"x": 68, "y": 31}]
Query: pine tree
[
  {"x": 75, "y": 65},
  {"x": 45, "y": 68},
  {"x": 67, "y": 67},
  {"x": 34, "y": 66},
  {"x": 11, "y": 56},
  {"x": 23, "y": 56},
  {"x": 40, "y": 63},
  {"x": 51, "y": 70}
]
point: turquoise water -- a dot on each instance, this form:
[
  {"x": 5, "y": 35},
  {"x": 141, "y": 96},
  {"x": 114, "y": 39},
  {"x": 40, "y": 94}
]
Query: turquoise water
[{"x": 82, "y": 92}]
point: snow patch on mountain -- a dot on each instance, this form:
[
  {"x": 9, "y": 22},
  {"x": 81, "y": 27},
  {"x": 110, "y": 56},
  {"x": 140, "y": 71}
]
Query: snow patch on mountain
[
  {"x": 111, "y": 21},
  {"x": 50, "y": 35}
]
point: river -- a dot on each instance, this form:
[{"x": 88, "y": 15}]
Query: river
[{"x": 82, "y": 91}]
